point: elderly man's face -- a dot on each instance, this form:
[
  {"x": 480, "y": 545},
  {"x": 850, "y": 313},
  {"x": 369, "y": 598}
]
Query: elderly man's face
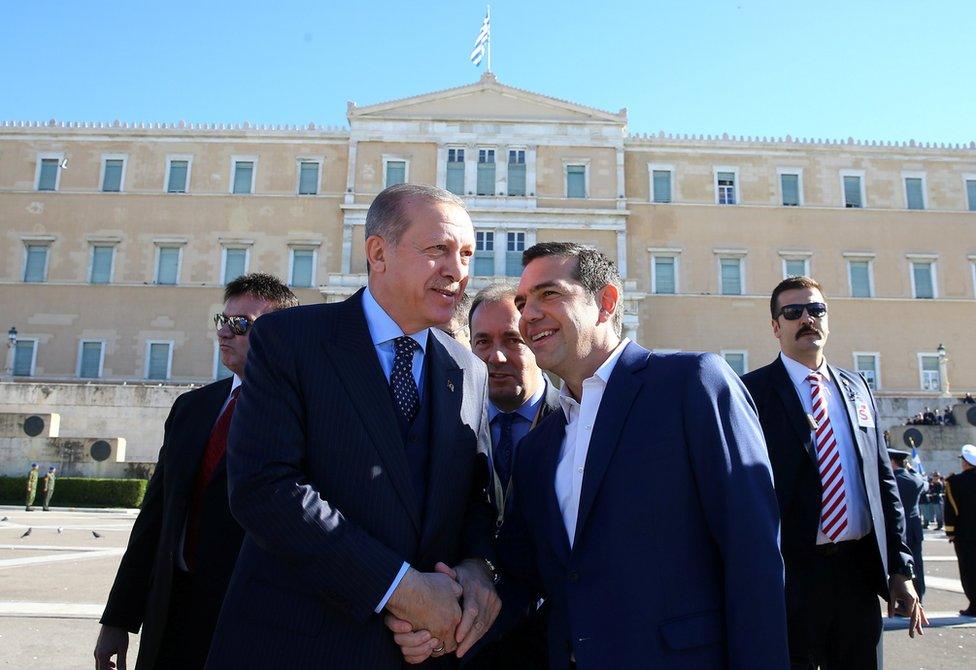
[
  {"x": 234, "y": 348},
  {"x": 513, "y": 375},
  {"x": 427, "y": 270}
]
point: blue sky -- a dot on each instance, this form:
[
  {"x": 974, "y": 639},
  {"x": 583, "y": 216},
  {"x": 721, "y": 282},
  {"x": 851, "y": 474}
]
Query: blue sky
[{"x": 892, "y": 69}]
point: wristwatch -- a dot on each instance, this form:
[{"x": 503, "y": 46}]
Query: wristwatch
[
  {"x": 495, "y": 577},
  {"x": 906, "y": 571}
]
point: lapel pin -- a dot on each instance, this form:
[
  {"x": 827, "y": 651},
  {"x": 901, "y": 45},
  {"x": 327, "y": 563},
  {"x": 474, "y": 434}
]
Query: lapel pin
[{"x": 450, "y": 386}]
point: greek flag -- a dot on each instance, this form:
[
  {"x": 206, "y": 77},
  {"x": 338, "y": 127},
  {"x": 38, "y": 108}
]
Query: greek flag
[
  {"x": 917, "y": 461},
  {"x": 481, "y": 42}
]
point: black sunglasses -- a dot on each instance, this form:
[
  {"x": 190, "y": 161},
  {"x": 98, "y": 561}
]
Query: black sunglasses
[
  {"x": 794, "y": 312},
  {"x": 238, "y": 325}
]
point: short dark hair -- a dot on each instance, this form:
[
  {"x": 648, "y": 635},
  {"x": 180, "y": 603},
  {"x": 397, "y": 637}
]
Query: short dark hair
[
  {"x": 385, "y": 215},
  {"x": 594, "y": 269},
  {"x": 491, "y": 294},
  {"x": 263, "y": 286},
  {"x": 789, "y": 284}
]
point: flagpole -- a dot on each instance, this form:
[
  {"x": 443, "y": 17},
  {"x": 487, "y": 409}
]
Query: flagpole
[{"x": 488, "y": 14}]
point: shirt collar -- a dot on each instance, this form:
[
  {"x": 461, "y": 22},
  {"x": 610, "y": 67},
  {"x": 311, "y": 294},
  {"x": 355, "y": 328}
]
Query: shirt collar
[
  {"x": 799, "y": 372},
  {"x": 382, "y": 327},
  {"x": 601, "y": 376},
  {"x": 237, "y": 382},
  {"x": 528, "y": 409}
]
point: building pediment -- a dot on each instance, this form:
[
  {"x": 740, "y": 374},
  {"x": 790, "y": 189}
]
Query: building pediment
[{"x": 485, "y": 100}]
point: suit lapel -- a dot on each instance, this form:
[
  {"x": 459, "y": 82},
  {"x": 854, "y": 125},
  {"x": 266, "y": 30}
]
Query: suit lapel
[
  {"x": 615, "y": 405},
  {"x": 443, "y": 395},
  {"x": 354, "y": 357},
  {"x": 793, "y": 408},
  {"x": 206, "y": 410},
  {"x": 847, "y": 389}
]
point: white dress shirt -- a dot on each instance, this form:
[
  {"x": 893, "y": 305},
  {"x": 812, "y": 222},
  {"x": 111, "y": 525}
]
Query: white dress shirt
[
  {"x": 580, "y": 418},
  {"x": 383, "y": 330},
  {"x": 858, "y": 511}
]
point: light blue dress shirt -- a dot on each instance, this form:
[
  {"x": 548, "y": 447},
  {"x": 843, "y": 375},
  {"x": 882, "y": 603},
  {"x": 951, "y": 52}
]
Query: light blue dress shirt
[
  {"x": 383, "y": 330},
  {"x": 529, "y": 410}
]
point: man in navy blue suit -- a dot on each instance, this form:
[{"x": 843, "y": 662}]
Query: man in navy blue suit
[
  {"x": 643, "y": 510},
  {"x": 352, "y": 463},
  {"x": 843, "y": 525}
]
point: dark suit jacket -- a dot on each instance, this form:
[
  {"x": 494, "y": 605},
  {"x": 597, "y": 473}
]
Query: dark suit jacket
[
  {"x": 675, "y": 562},
  {"x": 792, "y": 453},
  {"x": 141, "y": 592},
  {"x": 320, "y": 481}
]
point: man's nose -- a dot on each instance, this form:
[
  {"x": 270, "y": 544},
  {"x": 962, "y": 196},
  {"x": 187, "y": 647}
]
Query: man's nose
[{"x": 496, "y": 356}]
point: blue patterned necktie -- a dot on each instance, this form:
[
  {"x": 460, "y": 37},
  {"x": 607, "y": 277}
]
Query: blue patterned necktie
[
  {"x": 506, "y": 445},
  {"x": 406, "y": 397}
]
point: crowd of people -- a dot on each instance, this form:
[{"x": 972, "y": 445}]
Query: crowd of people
[
  {"x": 931, "y": 417},
  {"x": 367, "y": 490}
]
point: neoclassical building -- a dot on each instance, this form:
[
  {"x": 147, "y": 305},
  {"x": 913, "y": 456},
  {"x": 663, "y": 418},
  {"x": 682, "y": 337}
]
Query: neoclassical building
[{"x": 117, "y": 238}]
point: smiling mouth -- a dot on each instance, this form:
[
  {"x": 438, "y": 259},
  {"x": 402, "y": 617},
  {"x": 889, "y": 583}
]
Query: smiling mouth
[{"x": 538, "y": 337}]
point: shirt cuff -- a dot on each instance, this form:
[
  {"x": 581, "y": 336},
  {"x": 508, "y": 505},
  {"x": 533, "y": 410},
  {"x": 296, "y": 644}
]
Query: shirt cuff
[{"x": 393, "y": 586}]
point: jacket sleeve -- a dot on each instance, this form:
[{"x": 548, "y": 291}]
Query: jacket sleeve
[
  {"x": 273, "y": 500},
  {"x": 735, "y": 484},
  {"x": 126, "y": 606},
  {"x": 951, "y": 513}
]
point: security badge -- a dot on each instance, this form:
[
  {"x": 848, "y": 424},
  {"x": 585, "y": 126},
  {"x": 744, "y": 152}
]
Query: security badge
[{"x": 861, "y": 407}]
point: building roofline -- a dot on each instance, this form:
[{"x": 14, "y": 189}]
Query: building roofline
[
  {"x": 676, "y": 139},
  {"x": 179, "y": 127}
]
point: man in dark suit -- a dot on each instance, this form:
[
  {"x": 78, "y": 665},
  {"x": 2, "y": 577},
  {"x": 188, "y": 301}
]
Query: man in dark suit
[
  {"x": 184, "y": 543},
  {"x": 643, "y": 510},
  {"x": 352, "y": 462},
  {"x": 843, "y": 525},
  {"x": 960, "y": 523},
  {"x": 520, "y": 396},
  {"x": 911, "y": 487}
]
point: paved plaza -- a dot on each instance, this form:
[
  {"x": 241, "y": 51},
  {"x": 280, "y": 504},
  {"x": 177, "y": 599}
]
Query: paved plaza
[{"x": 54, "y": 582}]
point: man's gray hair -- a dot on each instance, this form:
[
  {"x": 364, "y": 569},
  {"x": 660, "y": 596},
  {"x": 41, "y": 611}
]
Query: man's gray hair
[
  {"x": 386, "y": 218},
  {"x": 491, "y": 294}
]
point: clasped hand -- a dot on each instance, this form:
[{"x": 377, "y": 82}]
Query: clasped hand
[{"x": 426, "y": 618}]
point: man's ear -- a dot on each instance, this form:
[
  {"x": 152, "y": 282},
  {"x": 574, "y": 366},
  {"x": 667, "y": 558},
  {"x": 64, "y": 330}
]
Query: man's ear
[
  {"x": 609, "y": 300},
  {"x": 776, "y": 328},
  {"x": 376, "y": 252}
]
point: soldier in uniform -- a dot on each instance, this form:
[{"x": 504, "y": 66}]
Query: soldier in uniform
[
  {"x": 31, "y": 488},
  {"x": 960, "y": 523},
  {"x": 911, "y": 486},
  {"x": 47, "y": 487}
]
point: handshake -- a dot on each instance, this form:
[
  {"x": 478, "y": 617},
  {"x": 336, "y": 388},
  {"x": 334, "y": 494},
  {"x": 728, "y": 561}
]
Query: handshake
[{"x": 427, "y": 618}]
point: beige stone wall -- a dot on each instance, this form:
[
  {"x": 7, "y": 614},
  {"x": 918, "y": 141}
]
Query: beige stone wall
[
  {"x": 601, "y": 185},
  {"x": 370, "y": 174}
]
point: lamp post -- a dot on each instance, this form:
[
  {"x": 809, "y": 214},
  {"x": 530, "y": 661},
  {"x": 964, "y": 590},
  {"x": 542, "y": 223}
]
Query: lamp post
[
  {"x": 11, "y": 343},
  {"x": 943, "y": 371}
]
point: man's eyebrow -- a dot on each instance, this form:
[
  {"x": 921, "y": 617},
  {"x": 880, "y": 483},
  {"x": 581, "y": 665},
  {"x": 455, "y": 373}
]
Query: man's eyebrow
[{"x": 542, "y": 285}]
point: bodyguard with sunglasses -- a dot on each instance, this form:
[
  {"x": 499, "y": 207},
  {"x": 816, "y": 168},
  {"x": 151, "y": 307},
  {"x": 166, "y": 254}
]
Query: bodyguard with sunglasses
[
  {"x": 184, "y": 544},
  {"x": 843, "y": 526}
]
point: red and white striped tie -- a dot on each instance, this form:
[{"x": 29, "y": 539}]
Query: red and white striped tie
[{"x": 833, "y": 506}]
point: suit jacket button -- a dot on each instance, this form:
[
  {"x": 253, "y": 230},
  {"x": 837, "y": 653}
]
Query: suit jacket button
[{"x": 573, "y": 576}]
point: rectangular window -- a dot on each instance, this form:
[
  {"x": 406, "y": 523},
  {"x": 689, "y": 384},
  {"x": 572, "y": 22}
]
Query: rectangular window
[
  {"x": 243, "y": 177},
  {"x": 731, "y": 276},
  {"x": 867, "y": 365},
  {"x": 486, "y": 172},
  {"x": 24, "y": 351},
  {"x": 35, "y": 267},
  {"x": 575, "y": 181},
  {"x": 852, "y": 191},
  {"x": 726, "y": 188},
  {"x": 308, "y": 178},
  {"x": 661, "y": 180},
  {"x": 736, "y": 361},
  {"x": 101, "y": 263},
  {"x": 794, "y": 267},
  {"x": 790, "y": 188},
  {"x": 923, "y": 279},
  {"x": 112, "y": 175},
  {"x": 221, "y": 371},
  {"x": 235, "y": 264},
  {"x": 47, "y": 179},
  {"x": 90, "y": 360},
  {"x": 396, "y": 172},
  {"x": 971, "y": 194},
  {"x": 484, "y": 253},
  {"x": 158, "y": 364},
  {"x": 929, "y": 370},
  {"x": 664, "y": 275},
  {"x": 302, "y": 267},
  {"x": 513, "y": 254},
  {"x": 914, "y": 193},
  {"x": 455, "y": 171},
  {"x": 860, "y": 275},
  {"x": 176, "y": 182},
  {"x": 516, "y": 172},
  {"x": 168, "y": 267}
]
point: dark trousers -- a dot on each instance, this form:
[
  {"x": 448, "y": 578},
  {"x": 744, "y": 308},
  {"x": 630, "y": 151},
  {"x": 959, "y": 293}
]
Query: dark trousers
[
  {"x": 186, "y": 641},
  {"x": 833, "y": 615},
  {"x": 966, "y": 554}
]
